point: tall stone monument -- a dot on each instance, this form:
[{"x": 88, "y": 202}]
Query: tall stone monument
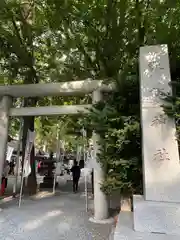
[{"x": 156, "y": 213}]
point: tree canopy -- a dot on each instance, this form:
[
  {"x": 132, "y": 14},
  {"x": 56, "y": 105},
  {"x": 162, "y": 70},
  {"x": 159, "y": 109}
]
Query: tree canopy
[{"x": 60, "y": 40}]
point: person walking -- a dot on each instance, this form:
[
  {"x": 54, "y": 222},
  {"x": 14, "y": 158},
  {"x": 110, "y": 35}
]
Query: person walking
[
  {"x": 5, "y": 174},
  {"x": 76, "y": 172},
  {"x": 11, "y": 165}
]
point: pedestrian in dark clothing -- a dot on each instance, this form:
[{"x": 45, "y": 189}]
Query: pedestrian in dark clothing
[
  {"x": 92, "y": 180},
  {"x": 11, "y": 165},
  {"x": 76, "y": 172},
  {"x": 5, "y": 174}
]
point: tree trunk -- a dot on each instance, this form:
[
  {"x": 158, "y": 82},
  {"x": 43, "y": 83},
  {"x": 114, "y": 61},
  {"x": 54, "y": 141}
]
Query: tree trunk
[{"x": 32, "y": 181}]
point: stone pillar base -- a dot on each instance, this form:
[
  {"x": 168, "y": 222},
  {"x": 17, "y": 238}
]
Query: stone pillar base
[
  {"x": 124, "y": 230},
  {"x": 104, "y": 221},
  {"x": 156, "y": 217}
]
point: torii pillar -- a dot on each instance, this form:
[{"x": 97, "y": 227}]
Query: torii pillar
[
  {"x": 101, "y": 203},
  {"x": 5, "y": 104}
]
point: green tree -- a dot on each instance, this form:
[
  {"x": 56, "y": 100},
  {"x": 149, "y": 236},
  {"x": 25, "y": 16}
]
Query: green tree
[{"x": 70, "y": 40}]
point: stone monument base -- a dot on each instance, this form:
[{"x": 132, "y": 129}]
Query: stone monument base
[
  {"x": 125, "y": 230},
  {"x": 156, "y": 217}
]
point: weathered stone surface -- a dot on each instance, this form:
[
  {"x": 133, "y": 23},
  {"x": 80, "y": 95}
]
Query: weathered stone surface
[
  {"x": 154, "y": 74},
  {"x": 124, "y": 230},
  {"x": 160, "y": 149},
  {"x": 157, "y": 217},
  {"x": 160, "y": 156}
]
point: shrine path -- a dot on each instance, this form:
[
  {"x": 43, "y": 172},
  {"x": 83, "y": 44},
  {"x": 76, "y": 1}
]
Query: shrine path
[{"x": 59, "y": 217}]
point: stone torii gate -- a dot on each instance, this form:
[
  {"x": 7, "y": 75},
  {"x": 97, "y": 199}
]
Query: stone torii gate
[{"x": 96, "y": 87}]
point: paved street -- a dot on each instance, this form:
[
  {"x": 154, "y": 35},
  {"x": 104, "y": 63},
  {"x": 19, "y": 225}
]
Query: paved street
[{"x": 59, "y": 217}]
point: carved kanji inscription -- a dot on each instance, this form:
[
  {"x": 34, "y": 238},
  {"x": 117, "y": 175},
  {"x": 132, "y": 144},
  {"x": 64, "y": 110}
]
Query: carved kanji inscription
[
  {"x": 161, "y": 155},
  {"x": 158, "y": 120}
]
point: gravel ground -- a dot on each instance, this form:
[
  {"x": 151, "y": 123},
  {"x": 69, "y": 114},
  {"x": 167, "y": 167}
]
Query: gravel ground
[{"x": 59, "y": 217}]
